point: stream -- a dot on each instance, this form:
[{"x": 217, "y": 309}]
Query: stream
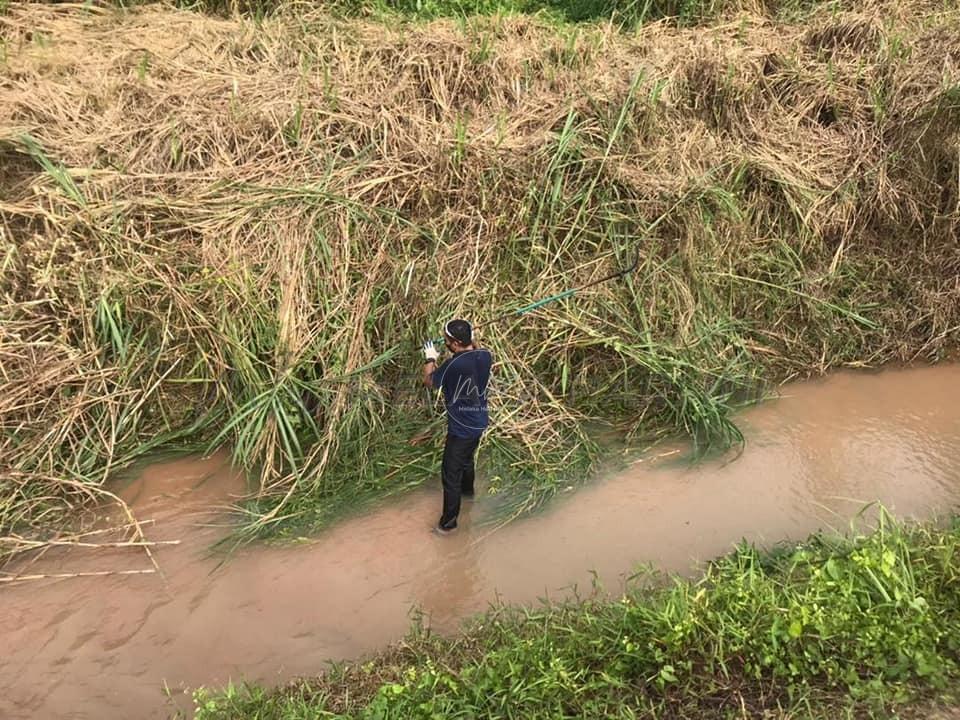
[{"x": 100, "y": 648}]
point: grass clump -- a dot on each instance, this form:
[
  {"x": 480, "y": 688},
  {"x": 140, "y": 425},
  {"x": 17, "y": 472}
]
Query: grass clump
[
  {"x": 827, "y": 627},
  {"x": 237, "y": 232},
  {"x": 628, "y": 15}
]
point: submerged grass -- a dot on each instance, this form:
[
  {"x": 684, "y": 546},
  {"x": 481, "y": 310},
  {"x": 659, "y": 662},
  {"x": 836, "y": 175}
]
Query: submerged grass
[
  {"x": 827, "y": 628},
  {"x": 237, "y": 231}
]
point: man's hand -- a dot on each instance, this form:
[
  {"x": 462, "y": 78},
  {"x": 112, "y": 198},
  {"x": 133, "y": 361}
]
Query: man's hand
[{"x": 430, "y": 351}]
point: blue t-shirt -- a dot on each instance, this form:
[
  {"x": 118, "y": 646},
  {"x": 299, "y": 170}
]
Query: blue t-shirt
[{"x": 464, "y": 379}]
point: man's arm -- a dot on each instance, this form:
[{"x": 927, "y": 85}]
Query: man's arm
[
  {"x": 428, "y": 369},
  {"x": 430, "y": 354}
]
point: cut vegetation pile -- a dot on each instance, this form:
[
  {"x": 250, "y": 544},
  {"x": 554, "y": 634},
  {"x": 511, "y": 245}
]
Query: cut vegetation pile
[{"x": 238, "y": 232}]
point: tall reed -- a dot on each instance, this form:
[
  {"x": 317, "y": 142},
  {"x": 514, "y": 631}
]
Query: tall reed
[{"x": 237, "y": 232}]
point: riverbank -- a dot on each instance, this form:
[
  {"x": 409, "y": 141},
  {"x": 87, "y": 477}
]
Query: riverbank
[
  {"x": 234, "y": 232},
  {"x": 105, "y": 647},
  {"x": 825, "y": 628},
  {"x": 865, "y": 626}
]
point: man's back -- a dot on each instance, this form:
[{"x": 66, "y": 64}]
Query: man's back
[{"x": 464, "y": 379}]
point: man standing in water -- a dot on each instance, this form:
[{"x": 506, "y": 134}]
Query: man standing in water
[{"x": 463, "y": 378}]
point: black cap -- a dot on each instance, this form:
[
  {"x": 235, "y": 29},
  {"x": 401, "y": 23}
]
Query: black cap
[{"x": 459, "y": 330}]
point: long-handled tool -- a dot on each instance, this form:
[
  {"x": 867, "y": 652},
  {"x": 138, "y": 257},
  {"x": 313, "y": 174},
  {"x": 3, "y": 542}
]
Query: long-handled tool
[
  {"x": 559, "y": 296},
  {"x": 425, "y": 434},
  {"x": 619, "y": 273}
]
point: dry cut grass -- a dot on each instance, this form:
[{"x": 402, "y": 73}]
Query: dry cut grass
[{"x": 237, "y": 232}]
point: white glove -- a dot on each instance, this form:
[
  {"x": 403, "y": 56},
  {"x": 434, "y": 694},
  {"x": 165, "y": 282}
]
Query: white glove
[{"x": 429, "y": 351}]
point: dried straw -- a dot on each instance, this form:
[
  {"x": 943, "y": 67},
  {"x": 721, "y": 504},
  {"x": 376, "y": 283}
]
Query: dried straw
[{"x": 239, "y": 231}]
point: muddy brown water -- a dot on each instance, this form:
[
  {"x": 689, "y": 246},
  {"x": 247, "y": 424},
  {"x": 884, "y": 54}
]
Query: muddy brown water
[{"x": 86, "y": 648}]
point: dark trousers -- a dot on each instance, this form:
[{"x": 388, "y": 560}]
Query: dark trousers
[{"x": 457, "y": 474}]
